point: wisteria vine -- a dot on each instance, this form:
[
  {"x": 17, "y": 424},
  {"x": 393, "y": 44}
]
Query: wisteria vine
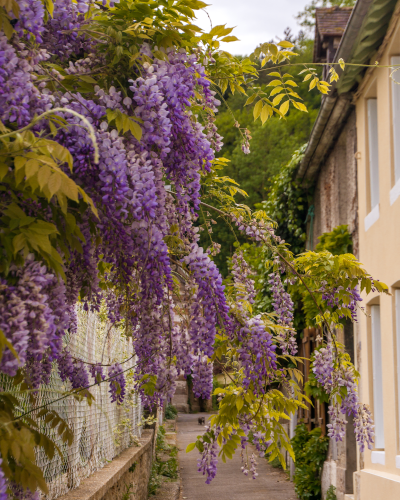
[{"x": 108, "y": 218}]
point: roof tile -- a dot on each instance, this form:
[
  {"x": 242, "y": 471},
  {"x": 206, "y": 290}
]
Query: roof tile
[{"x": 332, "y": 21}]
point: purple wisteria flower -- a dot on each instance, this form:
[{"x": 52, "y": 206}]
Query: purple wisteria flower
[
  {"x": 117, "y": 383},
  {"x": 207, "y": 464}
]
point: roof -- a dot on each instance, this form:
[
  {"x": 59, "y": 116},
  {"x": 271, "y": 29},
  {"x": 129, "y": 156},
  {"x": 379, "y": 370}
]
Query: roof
[
  {"x": 332, "y": 21},
  {"x": 365, "y": 31}
]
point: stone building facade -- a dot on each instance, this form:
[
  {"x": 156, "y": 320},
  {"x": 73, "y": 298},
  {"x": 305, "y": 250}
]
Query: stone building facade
[
  {"x": 335, "y": 195},
  {"x": 338, "y": 162}
]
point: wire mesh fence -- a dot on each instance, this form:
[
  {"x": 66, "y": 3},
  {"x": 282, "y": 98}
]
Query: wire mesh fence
[{"x": 101, "y": 430}]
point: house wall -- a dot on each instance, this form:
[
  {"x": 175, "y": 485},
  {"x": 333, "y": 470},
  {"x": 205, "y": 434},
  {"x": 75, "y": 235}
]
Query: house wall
[
  {"x": 335, "y": 196},
  {"x": 379, "y": 247},
  {"x": 335, "y": 203}
]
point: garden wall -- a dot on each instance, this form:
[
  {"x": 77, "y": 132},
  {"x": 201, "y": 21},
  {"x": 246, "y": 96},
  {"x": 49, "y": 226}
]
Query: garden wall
[{"x": 130, "y": 471}]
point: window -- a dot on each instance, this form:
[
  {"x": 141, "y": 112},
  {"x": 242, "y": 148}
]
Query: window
[
  {"x": 377, "y": 376},
  {"x": 397, "y": 302},
  {"x": 372, "y": 105},
  {"x": 396, "y": 118}
]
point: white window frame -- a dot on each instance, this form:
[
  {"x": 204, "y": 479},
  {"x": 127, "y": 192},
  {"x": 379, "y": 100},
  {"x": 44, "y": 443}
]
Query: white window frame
[
  {"x": 376, "y": 345},
  {"x": 396, "y": 118}
]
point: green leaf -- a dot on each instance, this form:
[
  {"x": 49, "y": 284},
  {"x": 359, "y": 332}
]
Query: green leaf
[
  {"x": 285, "y": 44},
  {"x": 3, "y": 170},
  {"x": 4, "y": 342},
  {"x": 275, "y": 91},
  {"x": 88, "y": 79},
  {"x": 19, "y": 242},
  {"x": 190, "y": 447},
  {"x": 313, "y": 83},
  {"x": 284, "y": 108},
  {"x": 278, "y": 99},
  {"x": 239, "y": 402},
  {"x": 31, "y": 167},
  {"x": 274, "y": 83},
  {"x": 230, "y": 39},
  {"x": 251, "y": 99},
  {"x": 257, "y": 109},
  {"x": 43, "y": 176},
  {"x": 300, "y": 106},
  {"x": 19, "y": 162},
  {"x": 54, "y": 183},
  {"x": 218, "y": 30},
  {"x": 135, "y": 129},
  {"x": 265, "y": 113},
  {"x": 69, "y": 188}
]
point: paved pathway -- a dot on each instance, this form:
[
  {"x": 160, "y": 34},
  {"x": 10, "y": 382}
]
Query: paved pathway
[{"x": 229, "y": 483}]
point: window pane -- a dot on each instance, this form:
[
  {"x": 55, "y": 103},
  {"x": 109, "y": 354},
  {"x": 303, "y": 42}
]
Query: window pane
[
  {"x": 373, "y": 151},
  {"x": 396, "y": 117},
  {"x": 377, "y": 375}
]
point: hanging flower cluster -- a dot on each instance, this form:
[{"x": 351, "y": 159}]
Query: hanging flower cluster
[
  {"x": 136, "y": 211},
  {"x": 332, "y": 380}
]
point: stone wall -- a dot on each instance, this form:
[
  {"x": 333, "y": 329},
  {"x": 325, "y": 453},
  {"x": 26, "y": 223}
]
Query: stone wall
[
  {"x": 336, "y": 203},
  {"x": 131, "y": 468},
  {"x": 335, "y": 197}
]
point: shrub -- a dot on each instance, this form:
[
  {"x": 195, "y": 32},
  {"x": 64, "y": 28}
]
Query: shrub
[
  {"x": 170, "y": 412},
  {"x": 330, "y": 494},
  {"x": 310, "y": 449}
]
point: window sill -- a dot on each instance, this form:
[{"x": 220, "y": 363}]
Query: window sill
[
  {"x": 378, "y": 457},
  {"x": 371, "y": 218}
]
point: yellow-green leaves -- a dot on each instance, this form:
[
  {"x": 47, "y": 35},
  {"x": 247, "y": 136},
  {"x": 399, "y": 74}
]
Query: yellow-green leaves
[
  {"x": 239, "y": 402},
  {"x": 124, "y": 123},
  {"x": 274, "y": 83},
  {"x": 334, "y": 76},
  {"x": 251, "y": 99},
  {"x": 8, "y": 6},
  {"x": 284, "y": 108},
  {"x": 270, "y": 52},
  {"x": 221, "y": 30},
  {"x": 40, "y": 169},
  {"x": 53, "y": 420},
  {"x": 257, "y": 109},
  {"x": 300, "y": 106},
  {"x": 286, "y": 44},
  {"x": 5, "y": 343},
  {"x": 190, "y": 447},
  {"x": 29, "y": 234},
  {"x": 282, "y": 95},
  {"x": 266, "y": 113},
  {"x": 321, "y": 85}
]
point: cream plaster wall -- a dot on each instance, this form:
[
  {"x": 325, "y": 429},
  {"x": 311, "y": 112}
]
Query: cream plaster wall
[{"x": 379, "y": 251}]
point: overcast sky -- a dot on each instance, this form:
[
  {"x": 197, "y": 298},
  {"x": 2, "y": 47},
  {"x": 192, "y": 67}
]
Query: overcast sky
[{"x": 256, "y": 21}]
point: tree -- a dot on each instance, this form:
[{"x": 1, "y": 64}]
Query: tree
[{"x": 271, "y": 147}]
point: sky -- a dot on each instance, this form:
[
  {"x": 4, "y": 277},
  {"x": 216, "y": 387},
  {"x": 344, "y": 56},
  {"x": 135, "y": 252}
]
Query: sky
[{"x": 256, "y": 21}]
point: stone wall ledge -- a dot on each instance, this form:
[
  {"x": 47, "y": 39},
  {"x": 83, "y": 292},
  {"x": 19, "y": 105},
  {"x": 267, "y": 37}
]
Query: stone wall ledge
[{"x": 100, "y": 482}]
